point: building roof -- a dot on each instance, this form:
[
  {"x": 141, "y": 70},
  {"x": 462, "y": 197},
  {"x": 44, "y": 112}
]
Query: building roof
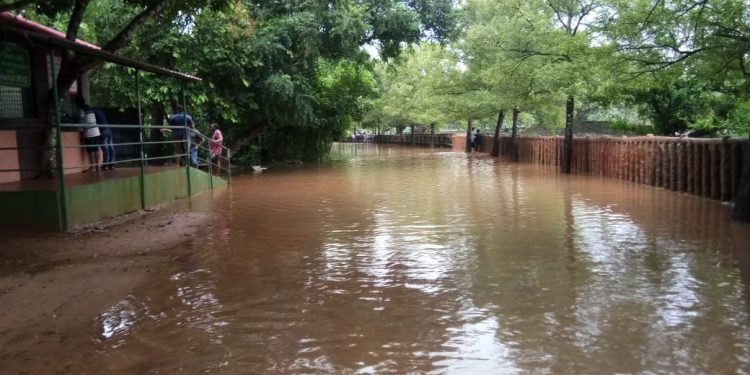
[
  {"x": 34, "y": 33},
  {"x": 18, "y": 21}
]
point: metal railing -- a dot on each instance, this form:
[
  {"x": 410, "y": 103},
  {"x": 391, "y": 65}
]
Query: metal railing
[
  {"x": 132, "y": 148},
  {"x": 129, "y": 141},
  {"x": 217, "y": 165},
  {"x": 29, "y": 156}
]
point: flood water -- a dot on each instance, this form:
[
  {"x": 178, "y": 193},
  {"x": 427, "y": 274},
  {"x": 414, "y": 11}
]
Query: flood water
[{"x": 393, "y": 260}]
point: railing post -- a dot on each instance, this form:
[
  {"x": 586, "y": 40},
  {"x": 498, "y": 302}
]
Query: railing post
[
  {"x": 187, "y": 138},
  {"x": 229, "y": 165},
  {"x": 58, "y": 146},
  {"x": 141, "y": 137},
  {"x": 187, "y": 162},
  {"x": 210, "y": 175},
  {"x": 210, "y": 167}
]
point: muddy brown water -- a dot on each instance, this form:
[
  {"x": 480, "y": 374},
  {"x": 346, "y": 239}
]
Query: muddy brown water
[{"x": 395, "y": 260}]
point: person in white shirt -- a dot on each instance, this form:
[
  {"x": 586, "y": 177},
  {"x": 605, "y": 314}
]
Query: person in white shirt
[{"x": 91, "y": 135}]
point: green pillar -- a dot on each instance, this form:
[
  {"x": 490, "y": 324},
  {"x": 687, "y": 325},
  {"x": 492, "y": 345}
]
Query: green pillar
[
  {"x": 141, "y": 138},
  {"x": 187, "y": 139},
  {"x": 58, "y": 146},
  {"x": 229, "y": 165}
]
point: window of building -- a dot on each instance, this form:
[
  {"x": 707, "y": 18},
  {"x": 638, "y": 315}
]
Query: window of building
[
  {"x": 15, "y": 102},
  {"x": 16, "y": 99}
]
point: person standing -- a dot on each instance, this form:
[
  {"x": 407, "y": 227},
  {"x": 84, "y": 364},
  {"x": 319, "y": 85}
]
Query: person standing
[
  {"x": 217, "y": 139},
  {"x": 180, "y": 121},
  {"x": 91, "y": 134},
  {"x": 108, "y": 147},
  {"x": 196, "y": 139}
]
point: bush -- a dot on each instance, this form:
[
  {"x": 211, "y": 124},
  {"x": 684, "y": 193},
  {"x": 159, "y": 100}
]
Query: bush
[{"x": 632, "y": 129}]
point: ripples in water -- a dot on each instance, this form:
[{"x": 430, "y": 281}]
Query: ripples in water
[{"x": 411, "y": 261}]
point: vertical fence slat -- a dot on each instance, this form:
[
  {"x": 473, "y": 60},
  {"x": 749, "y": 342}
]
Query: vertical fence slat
[
  {"x": 680, "y": 166},
  {"x": 735, "y": 156},
  {"x": 690, "y": 170},
  {"x": 666, "y": 165},
  {"x": 698, "y": 167},
  {"x": 705, "y": 190},
  {"x": 672, "y": 166},
  {"x": 724, "y": 171}
]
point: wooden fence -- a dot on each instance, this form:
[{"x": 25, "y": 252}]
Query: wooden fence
[
  {"x": 440, "y": 140},
  {"x": 708, "y": 168}
]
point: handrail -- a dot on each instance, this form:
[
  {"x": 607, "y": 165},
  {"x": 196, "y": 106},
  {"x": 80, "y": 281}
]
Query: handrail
[{"x": 223, "y": 167}]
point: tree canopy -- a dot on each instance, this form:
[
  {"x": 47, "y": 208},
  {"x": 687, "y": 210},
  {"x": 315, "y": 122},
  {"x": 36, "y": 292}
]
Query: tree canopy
[
  {"x": 293, "y": 76},
  {"x": 293, "y": 72}
]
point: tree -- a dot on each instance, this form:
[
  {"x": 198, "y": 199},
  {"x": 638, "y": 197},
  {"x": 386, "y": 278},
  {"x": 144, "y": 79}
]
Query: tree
[
  {"x": 508, "y": 46},
  {"x": 706, "y": 40},
  {"x": 261, "y": 61}
]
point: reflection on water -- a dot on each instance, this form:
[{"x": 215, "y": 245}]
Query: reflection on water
[
  {"x": 117, "y": 319},
  {"x": 393, "y": 260}
]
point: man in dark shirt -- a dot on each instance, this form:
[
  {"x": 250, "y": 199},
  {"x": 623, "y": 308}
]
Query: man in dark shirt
[
  {"x": 180, "y": 120},
  {"x": 108, "y": 147}
]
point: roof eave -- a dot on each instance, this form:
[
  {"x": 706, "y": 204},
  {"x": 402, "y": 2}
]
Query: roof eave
[{"x": 82, "y": 49}]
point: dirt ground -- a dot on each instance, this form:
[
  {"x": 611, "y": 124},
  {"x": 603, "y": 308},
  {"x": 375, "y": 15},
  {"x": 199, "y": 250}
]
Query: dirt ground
[{"x": 52, "y": 286}]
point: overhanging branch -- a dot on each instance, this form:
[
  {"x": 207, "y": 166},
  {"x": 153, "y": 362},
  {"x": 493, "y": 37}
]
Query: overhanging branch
[
  {"x": 18, "y": 5},
  {"x": 124, "y": 36}
]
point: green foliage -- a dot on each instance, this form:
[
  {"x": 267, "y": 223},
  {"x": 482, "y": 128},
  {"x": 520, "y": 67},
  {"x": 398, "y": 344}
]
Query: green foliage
[
  {"x": 247, "y": 155},
  {"x": 691, "y": 57},
  {"x": 738, "y": 121},
  {"x": 630, "y": 128},
  {"x": 294, "y": 71}
]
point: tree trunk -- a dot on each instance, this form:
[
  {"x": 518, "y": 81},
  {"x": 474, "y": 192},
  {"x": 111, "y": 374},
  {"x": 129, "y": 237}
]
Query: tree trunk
[
  {"x": 496, "y": 142},
  {"x": 467, "y": 147},
  {"x": 565, "y": 163},
  {"x": 514, "y": 136},
  {"x": 741, "y": 210},
  {"x": 66, "y": 75},
  {"x": 48, "y": 159}
]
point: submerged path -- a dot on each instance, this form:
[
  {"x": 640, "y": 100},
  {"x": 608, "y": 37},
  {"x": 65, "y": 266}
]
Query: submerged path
[{"x": 396, "y": 260}]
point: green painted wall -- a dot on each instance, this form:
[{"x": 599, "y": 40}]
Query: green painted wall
[
  {"x": 200, "y": 181},
  {"x": 87, "y": 203},
  {"x": 32, "y": 210},
  {"x": 166, "y": 186},
  {"x": 93, "y": 202}
]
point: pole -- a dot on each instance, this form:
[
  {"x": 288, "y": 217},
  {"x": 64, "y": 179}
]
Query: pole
[
  {"x": 229, "y": 165},
  {"x": 210, "y": 175},
  {"x": 141, "y": 138},
  {"x": 210, "y": 168},
  {"x": 187, "y": 138},
  {"x": 58, "y": 146}
]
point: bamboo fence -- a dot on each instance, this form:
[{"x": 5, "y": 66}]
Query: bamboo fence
[{"x": 707, "y": 167}]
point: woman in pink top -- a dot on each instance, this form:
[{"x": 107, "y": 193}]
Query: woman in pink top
[{"x": 216, "y": 140}]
